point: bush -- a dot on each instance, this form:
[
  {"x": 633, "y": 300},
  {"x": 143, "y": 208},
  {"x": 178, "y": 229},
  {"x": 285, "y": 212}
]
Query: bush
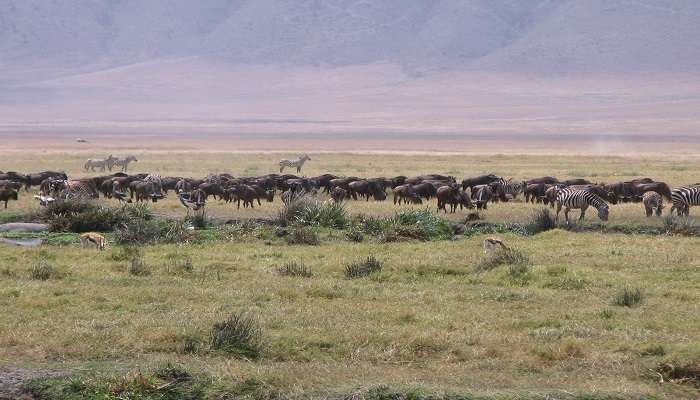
[
  {"x": 134, "y": 255},
  {"x": 240, "y": 336},
  {"x": 681, "y": 226},
  {"x": 85, "y": 215},
  {"x": 540, "y": 221},
  {"x": 363, "y": 268},
  {"x": 294, "y": 269},
  {"x": 302, "y": 235},
  {"x": 629, "y": 297},
  {"x": 200, "y": 219},
  {"x": 181, "y": 262},
  {"x": 304, "y": 210},
  {"x": 354, "y": 234},
  {"x": 43, "y": 271},
  {"x": 141, "y": 232},
  {"x": 504, "y": 256}
]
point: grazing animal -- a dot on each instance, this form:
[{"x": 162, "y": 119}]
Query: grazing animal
[
  {"x": 479, "y": 180},
  {"x": 482, "y": 194},
  {"x": 124, "y": 162},
  {"x": 683, "y": 198},
  {"x": 118, "y": 193},
  {"x": 107, "y": 163},
  {"x": 405, "y": 193},
  {"x": 652, "y": 202},
  {"x": 580, "y": 199},
  {"x": 511, "y": 188},
  {"x": 339, "y": 194},
  {"x": 493, "y": 242},
  {"x": 44, "y": 201},
  {"x": 93, "y": 238},
  {"x": 295, "y": 163}
]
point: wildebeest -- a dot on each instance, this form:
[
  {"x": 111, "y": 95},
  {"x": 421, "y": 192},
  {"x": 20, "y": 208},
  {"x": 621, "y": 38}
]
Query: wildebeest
[
  {"x": 658, "y": 187},
  {"x": 339, "y": 194},
  {"x": 550, "y": 180},
  {"x": 482, "y": 194},
  {"x": 406, "y": 194},
  {"x": 7, "y": 195},
  {"x": 366, "y": 189},
  {"x": 36, "y": 179},
  {"x": 479, "y": 180}
]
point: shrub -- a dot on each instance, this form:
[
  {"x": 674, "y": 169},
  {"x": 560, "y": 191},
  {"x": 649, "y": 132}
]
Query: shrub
[
  {"x": 43, "y": 270},
  {"x": 681, "y": 226},
  {"x": 629, "y": 297},
  {"x": 200, "y": 219},
  {"x": 540, "y": 221},
  {"x": 363, "y": 268},
  {"x": 304, "y": 210},
  {"x": 84, "y": 215},
  {"x": 303, "y": 235},
  {"x": 142, "y": 232},
  {"x": 294, "y": 269},
  {"x": 504, "y": 256},
  {"x": 354, "y": 234},
  {"x": 240, "y": 336}
]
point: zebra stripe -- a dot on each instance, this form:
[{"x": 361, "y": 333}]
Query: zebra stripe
[
  {"x": 580, "y": 199},
  {"x": 510, "y": 187},
  {"x": 683, "y": 198},
  {"x": 652, "y": 202}
]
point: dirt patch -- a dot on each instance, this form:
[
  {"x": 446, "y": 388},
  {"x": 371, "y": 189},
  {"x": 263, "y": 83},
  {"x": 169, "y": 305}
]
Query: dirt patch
[{"x": 12, "y": 381}]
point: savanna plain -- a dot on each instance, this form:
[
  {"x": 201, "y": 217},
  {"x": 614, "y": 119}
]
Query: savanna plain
[{"x": 591, "y": 310}]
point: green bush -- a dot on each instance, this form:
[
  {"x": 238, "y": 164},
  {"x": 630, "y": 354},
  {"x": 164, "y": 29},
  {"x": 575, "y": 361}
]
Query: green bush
[
  {"x": 304, "y": 210},
  {"x": 629, "y": 297},
  {"x": 240, "y": 336},
  {"x": 85, "y": 215},
  {"x": 540, "y": 221},
  {"x": 363, "y": 268}
]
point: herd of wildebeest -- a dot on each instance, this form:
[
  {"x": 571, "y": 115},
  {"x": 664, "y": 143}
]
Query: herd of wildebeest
[{"x": 472, "y": 192}]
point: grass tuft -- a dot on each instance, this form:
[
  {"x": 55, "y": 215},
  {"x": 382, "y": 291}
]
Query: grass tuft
[
  {"x": 43, "y": 271},
  {"x": 541, "y": 221},
  {"x": 517, "y": 261},
  {"x": 629, "y": 297},
  {"x": 239, "y": 336},
  {"x": 363, "y": 268},
  {"x": 294, "y": 268},
  {"x": 304, "y": 236}
]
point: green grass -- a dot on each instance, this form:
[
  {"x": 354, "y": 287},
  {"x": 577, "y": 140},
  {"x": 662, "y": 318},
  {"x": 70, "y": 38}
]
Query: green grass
[{"x": 427, "y": 326}]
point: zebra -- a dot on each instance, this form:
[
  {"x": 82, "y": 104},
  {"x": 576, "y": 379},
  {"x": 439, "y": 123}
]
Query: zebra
[
  {"x": 298, "y": 162},
  {"x": 510, "y": 188},
  {"x": 684, "y": 197},
  {"x": 124, "y": 162},
  {"x": 652, "y": 202},
  {"x": 107, "y": 163},
  {"x": 582, "y": 199}
]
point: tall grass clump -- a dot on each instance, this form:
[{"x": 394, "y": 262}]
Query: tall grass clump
[
  {"x": 240, "y": 336},
  {"x": 304, "y": 236},
  {"x": 294, "y": 268},
  {"x": 143, "y": 232},
  {"x": 137, "y": 266},
  {"x": 517, "y": 261},
  {"x": 304, "y": 210},
  {"x": 629, "y": 297},
  {"x": 43, "y": 271},
  {"x": 410, "y": 225},
  {"x": 541, "y": 221},
  {"x": 360, "y": 269}
]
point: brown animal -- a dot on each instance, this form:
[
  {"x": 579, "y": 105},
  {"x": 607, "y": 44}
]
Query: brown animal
[
  {"x": 7, "y": 195},
  {"x": 493, "y": 242},
  {"x": 339, "y": 194},
  {"x": 93, "y": 238},
  {"x": 406, "y": 194},
  {"x": 652, "y": 202}
]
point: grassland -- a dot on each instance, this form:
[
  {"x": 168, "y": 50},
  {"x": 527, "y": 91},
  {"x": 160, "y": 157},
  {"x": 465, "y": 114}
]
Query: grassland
[{"x": 554, "y": 325}]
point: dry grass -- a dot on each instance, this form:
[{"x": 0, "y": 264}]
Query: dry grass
[{"x": 425, "y": 320}]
